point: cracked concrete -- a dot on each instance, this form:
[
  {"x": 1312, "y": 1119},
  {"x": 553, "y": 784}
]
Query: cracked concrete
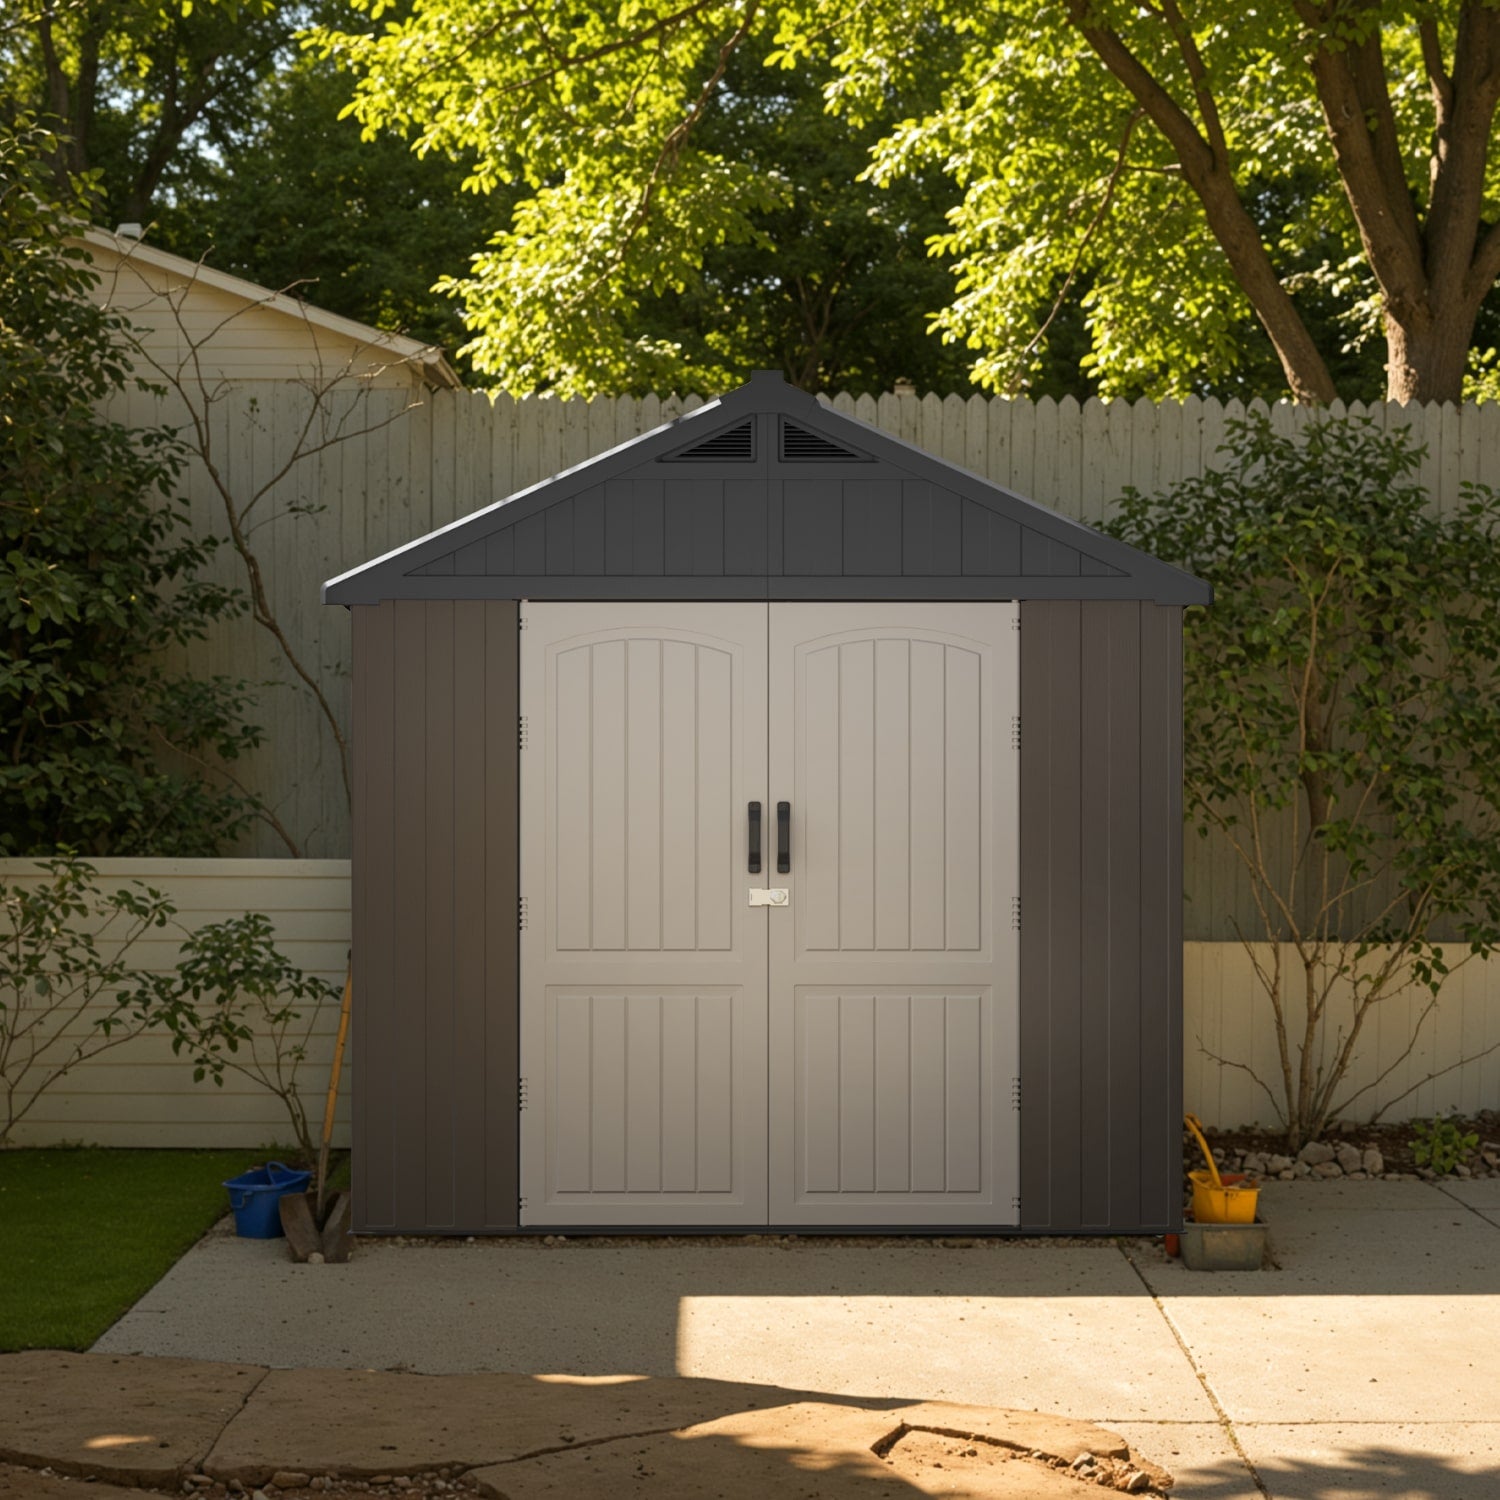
[
  {"x": 1363, "y": 1368},
  {"x": 172, "y": 1424}
]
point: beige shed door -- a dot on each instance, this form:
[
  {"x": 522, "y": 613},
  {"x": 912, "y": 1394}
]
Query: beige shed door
[
  {"x": 894, "y": 1024},
  {"x": 643, "y": 967},
  {"x": 844, "y": 1056}
]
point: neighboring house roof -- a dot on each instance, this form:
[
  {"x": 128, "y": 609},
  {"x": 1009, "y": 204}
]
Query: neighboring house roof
[
  {"x": 766, "y": 494},
  {"x": 237, "y": 330}
]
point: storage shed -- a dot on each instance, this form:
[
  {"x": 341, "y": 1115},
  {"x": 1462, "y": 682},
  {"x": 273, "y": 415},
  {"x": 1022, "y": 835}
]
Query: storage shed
[{"x": 767, "y": 825}]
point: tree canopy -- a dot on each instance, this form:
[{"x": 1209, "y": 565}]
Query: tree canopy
[
  {"x": 97, "y": 573},
  {"x": 1180, "y": 166}
]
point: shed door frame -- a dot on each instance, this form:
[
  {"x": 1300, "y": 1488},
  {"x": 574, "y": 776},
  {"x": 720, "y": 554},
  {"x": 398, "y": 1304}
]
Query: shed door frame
[{"x": 946, "y": 1066}]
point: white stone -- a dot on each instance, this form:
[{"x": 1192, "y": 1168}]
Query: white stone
[
  {"x": 1349, "y": 1157},
  {"x": 1315, "y": 1153},
  {"x": 1374, "y": 1162}
]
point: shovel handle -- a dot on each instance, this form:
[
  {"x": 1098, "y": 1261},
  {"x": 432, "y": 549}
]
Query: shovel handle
[{"x": 1193, "y": 1124}]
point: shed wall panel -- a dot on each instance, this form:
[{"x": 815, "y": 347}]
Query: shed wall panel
[
  {"x": 1101, "y": 915},
  {"x": 435, "y": 915}
]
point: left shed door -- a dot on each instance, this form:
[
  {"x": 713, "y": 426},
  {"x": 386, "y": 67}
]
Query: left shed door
[{"x": 643, "y": 968}]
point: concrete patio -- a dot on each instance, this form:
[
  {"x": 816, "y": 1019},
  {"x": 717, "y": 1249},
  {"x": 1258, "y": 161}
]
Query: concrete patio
[{"x": 1366, "y": 1364}]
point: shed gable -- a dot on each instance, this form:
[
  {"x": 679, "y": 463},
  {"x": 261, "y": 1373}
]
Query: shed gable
[{"x": 765, "y": 494}]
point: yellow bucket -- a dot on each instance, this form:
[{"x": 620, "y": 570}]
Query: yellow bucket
[{"x": 1219, "y": 1200}]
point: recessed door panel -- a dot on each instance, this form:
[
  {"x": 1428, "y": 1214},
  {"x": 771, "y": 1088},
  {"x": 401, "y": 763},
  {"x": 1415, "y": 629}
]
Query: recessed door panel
[
  {"x": 643, "y": 966},
  {"x": 893, "y": 1007}
]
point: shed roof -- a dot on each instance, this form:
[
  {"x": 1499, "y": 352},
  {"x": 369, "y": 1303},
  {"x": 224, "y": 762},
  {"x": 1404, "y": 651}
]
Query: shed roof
[{"x": 765, "y": 494}]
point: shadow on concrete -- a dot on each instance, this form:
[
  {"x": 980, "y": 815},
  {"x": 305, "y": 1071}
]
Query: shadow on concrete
[{"x": 1374, "y": 1473}]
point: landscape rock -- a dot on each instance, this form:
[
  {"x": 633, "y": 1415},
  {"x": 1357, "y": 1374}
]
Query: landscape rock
[
  {"x": 1315, "y": 1153},
  {"x": 289, "y": 1479},
  {"x": 1278, "y": 1164},
  {"x": 1328, "y": 1169},
  {"x": 1373, "y": 1161},
  {"x": 1349, "y": 1157}
]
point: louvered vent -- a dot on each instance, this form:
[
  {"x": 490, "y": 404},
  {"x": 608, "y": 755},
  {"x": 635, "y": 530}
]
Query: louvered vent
[
  {"x": 734, "y": 445},
  {"x": 799, "y": 446}
]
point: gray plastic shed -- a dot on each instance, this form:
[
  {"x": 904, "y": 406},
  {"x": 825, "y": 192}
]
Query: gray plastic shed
[{"x": 767, "y": 825}]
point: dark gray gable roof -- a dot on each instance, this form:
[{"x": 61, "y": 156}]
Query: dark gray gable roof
[{"x": 765, "y": 494}]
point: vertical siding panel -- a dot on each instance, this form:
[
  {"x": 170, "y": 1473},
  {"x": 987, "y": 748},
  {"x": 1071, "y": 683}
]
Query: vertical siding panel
[
  {"x": 679, "y": 1115},
  {"x": 643, "y": 750},
  {"x": 928, "y": 841},
  {"x": 893, "y": 796},
  {"x": 608, "y": 1120},
  {"x": 406, "y": 1100},
  {"x": 718, "y": 880},
  {"x": 468, "y": 880},
  {"x": 964, "y": 1094},
  {"x": 643, "y": 1072},
  {"x": 818, "y": 689},
  {"x": 1096, "y": 787},
  {"x": 498, "y": 877},
  {"x": 817, "y": 1025},
  {"x": 715, "y": 1134},
  {"x": 438, "y": 1048},
  {"x": 856, "y": 791},
  {"x": 376, "y": 1041},
  {"x": 1161, "y": 911},
  {"x": 963, "y": 778},
  {"x": 893, "y": 1122},
  {"x": 1122, "y": 856},
  {"x": 679, "y": 768},
  {"x": 569, "y": 741},
  {"x": 607, "y": 796},
  {"x": 856, "y": 1075}
]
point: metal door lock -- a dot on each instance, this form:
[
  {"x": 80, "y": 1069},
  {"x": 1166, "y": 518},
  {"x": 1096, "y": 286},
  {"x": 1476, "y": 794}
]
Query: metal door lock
[{"x": 776, "y": 896}]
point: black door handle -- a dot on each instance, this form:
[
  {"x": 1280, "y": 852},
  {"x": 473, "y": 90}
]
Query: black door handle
[
  {"x": 755, "y": 838},
  {"x": 783, "y": 837}
]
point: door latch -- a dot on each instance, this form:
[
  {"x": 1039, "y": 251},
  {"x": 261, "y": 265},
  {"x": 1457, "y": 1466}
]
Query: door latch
[{"x": 776, "y": 896}]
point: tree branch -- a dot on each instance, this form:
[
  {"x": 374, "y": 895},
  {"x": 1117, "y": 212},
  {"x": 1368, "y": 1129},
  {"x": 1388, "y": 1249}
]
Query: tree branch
[{"x": 1238, "y": 235}]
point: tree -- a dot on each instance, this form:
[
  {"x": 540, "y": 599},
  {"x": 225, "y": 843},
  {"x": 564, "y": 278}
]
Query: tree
[
  {"x": 1340, "y": 692},
  {"x": 294, "y": 198},
  {"x": 96, "y": 574},
  {"x": 1137, "y": 151},
  {"x": 132, "y": 89}
]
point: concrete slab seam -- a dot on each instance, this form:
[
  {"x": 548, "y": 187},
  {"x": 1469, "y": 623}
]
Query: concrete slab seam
[
  {"x": 1473, "y": 1208},
  {"x": 1208, "y": 1390}
]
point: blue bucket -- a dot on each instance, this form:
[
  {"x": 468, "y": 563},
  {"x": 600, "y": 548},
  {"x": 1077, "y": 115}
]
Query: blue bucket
[{"x": 254, "y": 1196}]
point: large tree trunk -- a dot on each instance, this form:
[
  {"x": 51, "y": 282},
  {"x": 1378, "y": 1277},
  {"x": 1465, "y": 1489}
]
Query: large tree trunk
[{"x": 1427, "y": 355}]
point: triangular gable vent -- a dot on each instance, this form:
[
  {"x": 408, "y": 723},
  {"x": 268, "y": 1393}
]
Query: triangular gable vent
[
  {"x": 734, "y": 445},
  {"x": 799, "y": 446}
]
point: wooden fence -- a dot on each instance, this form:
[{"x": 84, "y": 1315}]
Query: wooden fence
[
  {"x": 141, "y": 1095},
  {"x": 376, "y": 469}
]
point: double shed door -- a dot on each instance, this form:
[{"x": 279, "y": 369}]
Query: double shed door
[{"x": 842, "y": 1054}]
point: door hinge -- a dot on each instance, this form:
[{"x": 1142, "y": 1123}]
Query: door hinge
[
  {"x": 1015, "y": 731},
  {"x": 1015, "y": 620},
  {"x": 521, "y": 913},
  {"x": 521, "y": 732},
  {"x": 521, "y": 1207},
  {"x": 1015, "y": 913},
  {"x": 521, "y": 1093},
  {"x": 1015, "y": 1093},
  {"x": 1015, "y": 1204}
]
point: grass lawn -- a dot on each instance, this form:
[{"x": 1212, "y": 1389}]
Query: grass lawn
[{"x": 83, "y": 1233}]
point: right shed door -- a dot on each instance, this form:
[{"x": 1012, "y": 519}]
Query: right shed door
[{"x": 893, "y": 1010}]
